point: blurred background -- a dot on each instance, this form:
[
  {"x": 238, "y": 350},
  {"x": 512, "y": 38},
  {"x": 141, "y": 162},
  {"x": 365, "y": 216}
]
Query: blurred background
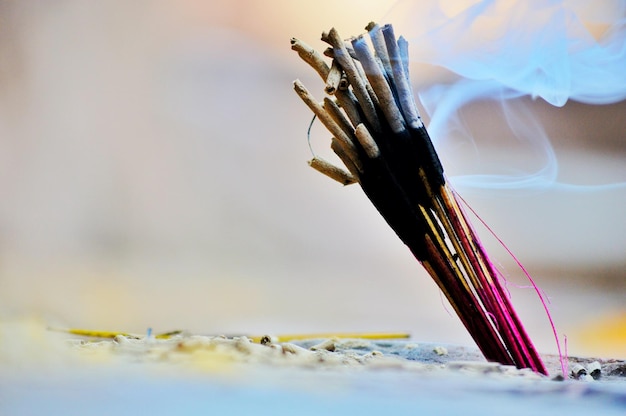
[{"x": 153, "y": 174}]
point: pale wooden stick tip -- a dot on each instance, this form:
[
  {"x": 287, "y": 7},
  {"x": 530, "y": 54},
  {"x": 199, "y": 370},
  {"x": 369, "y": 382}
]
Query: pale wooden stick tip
[
  {"x": 332, "y": 171},
  {"x": 367, "y": 141}
]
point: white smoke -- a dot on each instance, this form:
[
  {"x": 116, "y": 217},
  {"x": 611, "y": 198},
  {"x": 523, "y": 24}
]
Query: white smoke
[{"x": 506, "y": 51}]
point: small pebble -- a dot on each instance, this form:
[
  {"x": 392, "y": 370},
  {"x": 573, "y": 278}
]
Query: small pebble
[
  {"x": 595, "y": 370},
  {"x": 328, "y": 345},
  {"x": 578, "y": 371},
  {"x": 243, "y": 344},
  {"x": 121, "y": 339},
  {"x": 267, "y": 339},
  {"x": 289, "y": 348},
  {"x": 618, "y": 370},
  {"x": 440, "y": 351}
]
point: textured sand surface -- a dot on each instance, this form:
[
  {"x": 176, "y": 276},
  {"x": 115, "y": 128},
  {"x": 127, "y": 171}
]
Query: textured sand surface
[{"x": 60, "y": 374}]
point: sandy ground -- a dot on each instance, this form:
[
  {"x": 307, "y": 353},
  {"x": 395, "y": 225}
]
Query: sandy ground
[{"x": 198, "y": 374}]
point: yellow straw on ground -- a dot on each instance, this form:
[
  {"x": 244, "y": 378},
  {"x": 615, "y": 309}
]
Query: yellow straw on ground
[
  {"x": 255, "y": 338},
  {"x": 365, "y": 335}
]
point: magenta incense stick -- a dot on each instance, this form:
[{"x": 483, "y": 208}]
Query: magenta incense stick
[{"x": 383, "y": 143}]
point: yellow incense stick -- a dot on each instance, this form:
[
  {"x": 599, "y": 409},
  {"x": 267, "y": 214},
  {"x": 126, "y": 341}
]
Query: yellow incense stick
[
  {"x": 255, "y": 338},
  {"x": 344, "y": 335},
  {"x": 91, "y": 333},
  {"x": 98, "y": 334}
]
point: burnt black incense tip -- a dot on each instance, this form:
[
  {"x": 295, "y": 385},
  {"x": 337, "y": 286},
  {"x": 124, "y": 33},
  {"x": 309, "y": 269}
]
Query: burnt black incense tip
[
  {"x": 395, "y": 205},
  {"x": 428, "y": 155}
]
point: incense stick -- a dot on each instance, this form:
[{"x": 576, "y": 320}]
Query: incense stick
[
  {"x": 311, "y": 57},
  {"x": 357, "y": 82},
  {"x": 378, "y": 41},
  {"x": 90, "y": 333},
  {"x": 333, "y": 78},
  {"x": 332, "y": 171},
  {"x": 401, "y": 78},
  {"x": 391, "y": 156},
  {"x": 342, "y": 137},
  {"x": 380, "y": 86}
]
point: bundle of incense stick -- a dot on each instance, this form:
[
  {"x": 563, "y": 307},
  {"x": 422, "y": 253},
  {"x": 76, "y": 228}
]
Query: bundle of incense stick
[{"x": 380, "y": 138}]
